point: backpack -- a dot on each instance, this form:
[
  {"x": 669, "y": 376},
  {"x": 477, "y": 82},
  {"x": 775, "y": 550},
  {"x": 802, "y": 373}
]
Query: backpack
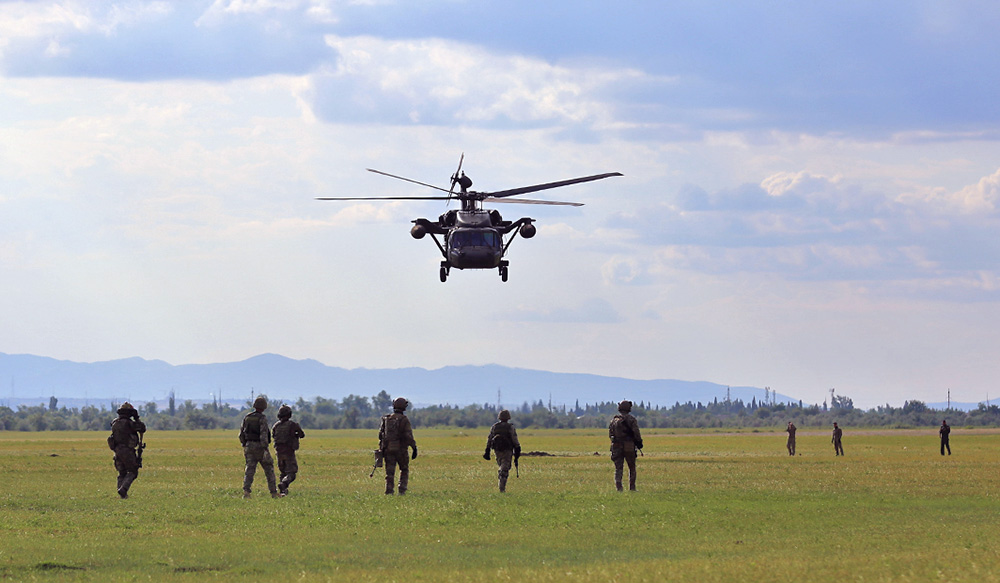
[
  {"x": 619, "y": 429},
  {"x": 390, "y": 428},
  {"x": 502, "y": 440}
]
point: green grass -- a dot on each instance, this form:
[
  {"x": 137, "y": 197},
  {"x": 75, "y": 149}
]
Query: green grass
[{"x": 711, "y": 507}]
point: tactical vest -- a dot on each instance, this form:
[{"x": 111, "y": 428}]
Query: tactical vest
[
  {"x": 284, "y": 433},
  {"x": 251, "y": 427},
  {"x": 502, "y": 438}
]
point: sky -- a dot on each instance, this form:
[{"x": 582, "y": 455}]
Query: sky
[{"x": 809, "y": 200}]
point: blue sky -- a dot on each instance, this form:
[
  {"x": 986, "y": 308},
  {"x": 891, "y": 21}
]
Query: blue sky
[{"x": 809, "y": 200}]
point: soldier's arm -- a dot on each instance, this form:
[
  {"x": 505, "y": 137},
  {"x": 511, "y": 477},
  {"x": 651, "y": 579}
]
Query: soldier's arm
[
  {"x": 489, "y": 440},
  {"x": 634, "y": 425},
  {"x": 407, "y": 431},
  {"x": 298, "y": 431},
  {"x": 513, "y": 436}
]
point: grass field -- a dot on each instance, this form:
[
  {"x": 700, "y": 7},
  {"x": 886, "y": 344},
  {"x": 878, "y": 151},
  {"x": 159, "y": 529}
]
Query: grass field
[{"x": 710, "y": 507}]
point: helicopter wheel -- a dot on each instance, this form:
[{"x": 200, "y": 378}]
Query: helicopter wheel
[
  {"x": 503, "y": 273},
  {"x": 444, "y": 274}
]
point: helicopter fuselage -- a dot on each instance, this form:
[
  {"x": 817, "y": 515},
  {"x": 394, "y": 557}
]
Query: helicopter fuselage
[{"x": 473, "y": 239}]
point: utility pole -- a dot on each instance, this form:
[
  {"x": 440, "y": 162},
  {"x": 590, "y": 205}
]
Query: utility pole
[{"x": 949, "y": 398}]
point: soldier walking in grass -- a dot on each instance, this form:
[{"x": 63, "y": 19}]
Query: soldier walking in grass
[
  {"x": 255, "y": 437},
  {"x": 395, "y": 435},
  {"x": 838, "y": 433},
  {"x": 287, "y": 434},
  {"x": 126, "y": 435},
  {"x": 791, "y": 438},
  {"x": 625, "y": 440},
  {"x": 944, "y": 432},
  {"x": 505, "y": 445}
]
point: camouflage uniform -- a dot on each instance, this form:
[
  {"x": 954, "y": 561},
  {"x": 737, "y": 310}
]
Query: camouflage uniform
[
  {"x": 625, "y": 440},
  {"x": 838, "y": 434},
  {"x": 123, "y": 440},
  {"x": 255, "y": 437},
  {"x": 945, "y": 432},
  {"x": 505, "y": 445},
  {"x": 395, "y": 435},
  {"x": 286, "y": 440},
  {"x": 791, "y": 438}
]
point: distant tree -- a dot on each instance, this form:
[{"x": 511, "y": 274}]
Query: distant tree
[
  {"x": 382, "y": 402},
  {"x": 842, "y": 402},
  {"x": 52, "y": 403},
  {"x": 351, "y": 417}
]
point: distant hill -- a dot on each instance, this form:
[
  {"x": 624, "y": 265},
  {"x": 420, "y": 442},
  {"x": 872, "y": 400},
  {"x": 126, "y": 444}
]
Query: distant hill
[{"x": 28, "y": 379}]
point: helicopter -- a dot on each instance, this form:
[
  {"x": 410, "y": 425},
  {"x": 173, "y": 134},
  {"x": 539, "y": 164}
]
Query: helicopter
[{"x": 474, "y": 236}]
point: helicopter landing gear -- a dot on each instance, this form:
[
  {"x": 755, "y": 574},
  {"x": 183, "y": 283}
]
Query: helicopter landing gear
[
  {"x": 503, "y": 271},
  {"x": 444, "y": 272}
]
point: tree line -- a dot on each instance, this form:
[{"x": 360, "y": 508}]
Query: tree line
[{"x": 359, "y": 412}]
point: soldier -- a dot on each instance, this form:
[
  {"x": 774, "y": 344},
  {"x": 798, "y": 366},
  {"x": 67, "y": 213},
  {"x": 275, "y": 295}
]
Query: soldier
[
  {"x": 838, "y": 433},
  {"x": 791, "y": 438},
  {"x": 504, "y": 443},
  {"x": 625, "y": 440},
  {"x": 255, "y": 437},
  {"x": 286, "y": 440},
  {"x": 126, "y": 435},
  {"x": 944, "y": 432},
  {"x": 395, "y": 435}
]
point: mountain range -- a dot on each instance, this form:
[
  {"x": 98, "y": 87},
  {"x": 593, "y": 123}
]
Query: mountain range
[{"x": 29, "y": 379}]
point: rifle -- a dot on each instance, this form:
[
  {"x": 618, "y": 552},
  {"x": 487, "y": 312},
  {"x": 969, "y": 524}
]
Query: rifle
[
  {"x": 517, "y": 471},
  {"x": 379, "y": 454},
  {"x": 138, "y": 456}
]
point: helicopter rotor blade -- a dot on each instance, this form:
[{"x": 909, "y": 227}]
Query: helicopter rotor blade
[
  {"x": 454, "y": 177},
  {"x": 531, "y": 201},
  {"x": 406, "y": 179},
  {"x": 548, "y": 185},
  {"x": 382, "y": 197}
]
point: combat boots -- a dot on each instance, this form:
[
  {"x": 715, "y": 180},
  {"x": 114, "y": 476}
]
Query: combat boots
[{"x": 125, "y": 484}]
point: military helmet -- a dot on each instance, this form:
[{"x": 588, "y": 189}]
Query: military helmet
[
  {"x": 260, "y": 403},
  {"x": 504, "y": 415},
  {"x": 126, "y": 409},
  {"x": 400, "y": 404},
  {"x": 625, "y": 406},
  {"x": 284, "y": 412}
]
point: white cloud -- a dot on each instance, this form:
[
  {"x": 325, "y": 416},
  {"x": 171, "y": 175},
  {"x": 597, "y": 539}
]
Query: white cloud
[{"x": 438, "y": 81}]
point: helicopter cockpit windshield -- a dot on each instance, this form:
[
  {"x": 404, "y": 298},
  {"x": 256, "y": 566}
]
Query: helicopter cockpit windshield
[{"x": 475, "y": 238}]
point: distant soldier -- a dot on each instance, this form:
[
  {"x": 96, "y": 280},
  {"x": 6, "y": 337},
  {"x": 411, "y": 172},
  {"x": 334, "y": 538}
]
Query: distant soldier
[
  {"x": 838, "y": 433},
  {"x": 625, "y": 440},
  {"x": 944, "y": 432},
  {"x": 255, "y": 437},
  {"x": 504, "y": 443},
  {"x": 395, "y": 435},
  {"x": 287, "y": 434},
  {"x": 791, "y": 438},
  {"x": 125, "y": 437}
]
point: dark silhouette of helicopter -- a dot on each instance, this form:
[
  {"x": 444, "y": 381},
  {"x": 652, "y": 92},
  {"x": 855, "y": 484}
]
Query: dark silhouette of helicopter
[{"x": 474, "y": 236}]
